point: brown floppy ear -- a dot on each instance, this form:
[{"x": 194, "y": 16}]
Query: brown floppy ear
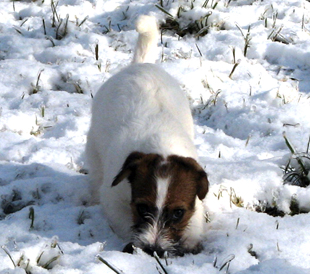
[
  {"x": 202, "y": 184},
  {"x": 127, "y": 167},
  {"x": 201, "y": 178},
  {"x": 199, "y": 175}
]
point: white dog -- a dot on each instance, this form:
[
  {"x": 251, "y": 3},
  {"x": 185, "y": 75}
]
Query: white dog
[{"x": 141, "y": 156}]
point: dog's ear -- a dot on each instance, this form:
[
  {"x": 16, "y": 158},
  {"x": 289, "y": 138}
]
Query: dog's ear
[
  {"x": 199, "y": 175},
  {"x": 201, "y": 178},
  {"x": 127, "y": 168},
  {"x": 202, "y": 184}
]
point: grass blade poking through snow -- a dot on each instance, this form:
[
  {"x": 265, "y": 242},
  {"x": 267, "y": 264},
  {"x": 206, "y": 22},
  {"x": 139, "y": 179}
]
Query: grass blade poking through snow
[
  {"x": 247, "y": 38},
  {"x": 307, "y": 151},
  {"x": 83, "y": 21},
  {"x": 158, "y": 261},
  {"x": 164, "y": 11},
  {"x": 300, "y": 162},
  {"x": 48, "y": 264},
  {"x": 108, "y": 264},
  {"x": 97, "y": 56},
  {"x": 5, "y": 249},
  {"x": 233, "y": 69},
  {"x": 288, "y": 144},
  {"x": 227, "y": 262},
  {"x": 36, "y": 88},
  {"x": 31, "y": 217},
  {"x": 292, "y": 176},
  {"x": 50, "y": 254}
]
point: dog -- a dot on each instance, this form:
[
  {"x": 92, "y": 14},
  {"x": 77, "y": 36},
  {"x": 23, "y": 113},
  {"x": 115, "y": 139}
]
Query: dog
[{"x": 142, "y": 158}]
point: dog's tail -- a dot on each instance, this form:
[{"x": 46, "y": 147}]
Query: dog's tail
[{"x": 146, "y": 48}]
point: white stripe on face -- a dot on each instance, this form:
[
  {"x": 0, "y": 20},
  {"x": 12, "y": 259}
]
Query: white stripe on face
[
  {"x": 154, "y": 233},
  {"x": 162, "y": 191}
]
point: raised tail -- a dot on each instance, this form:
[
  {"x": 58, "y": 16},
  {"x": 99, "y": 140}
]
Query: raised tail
[{"x": 146, "y": 48}]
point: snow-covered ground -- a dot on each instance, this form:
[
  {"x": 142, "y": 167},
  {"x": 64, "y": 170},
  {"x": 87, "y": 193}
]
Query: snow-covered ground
[{"x": 53, "y": 57}]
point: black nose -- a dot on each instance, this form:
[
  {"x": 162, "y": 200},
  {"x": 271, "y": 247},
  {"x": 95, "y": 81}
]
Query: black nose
[
  {"x": 128, "y": 248},
  {"x": 154, "y": 248}
]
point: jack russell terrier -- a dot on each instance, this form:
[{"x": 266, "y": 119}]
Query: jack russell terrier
[{"x": 142, "y": 159}]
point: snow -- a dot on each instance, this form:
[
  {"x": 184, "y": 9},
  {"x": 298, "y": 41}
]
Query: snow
[{"x": 46, "y": 90}]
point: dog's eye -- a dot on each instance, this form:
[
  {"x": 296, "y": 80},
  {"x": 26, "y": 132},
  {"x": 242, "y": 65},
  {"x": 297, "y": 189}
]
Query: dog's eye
[
  {"x": 143, "y": 210},
  {"x": 178, "y": 214}
]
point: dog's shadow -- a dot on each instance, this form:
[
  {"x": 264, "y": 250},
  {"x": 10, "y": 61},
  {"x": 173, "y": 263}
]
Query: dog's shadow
[{"x": 59, "y": 199}]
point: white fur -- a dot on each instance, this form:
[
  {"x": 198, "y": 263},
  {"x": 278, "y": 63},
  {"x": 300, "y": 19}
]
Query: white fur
[
  {"x": 162, "y": 191},
  {"x": 140, "y": 109},
  {"x": 153, "y": 234},
  {"x": 146, "y": 48}
]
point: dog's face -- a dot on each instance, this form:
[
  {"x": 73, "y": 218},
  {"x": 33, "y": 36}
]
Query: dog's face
[{"x": 163, "y": 195}]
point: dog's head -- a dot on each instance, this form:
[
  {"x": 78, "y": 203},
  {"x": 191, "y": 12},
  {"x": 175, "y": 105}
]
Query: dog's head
[{"x": 164, "y": 194}]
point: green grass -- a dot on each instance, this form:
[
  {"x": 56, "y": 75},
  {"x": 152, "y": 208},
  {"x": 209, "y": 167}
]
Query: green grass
[
  {"x": 297, "y": 169},
  {"x": 199, "y": 27}
]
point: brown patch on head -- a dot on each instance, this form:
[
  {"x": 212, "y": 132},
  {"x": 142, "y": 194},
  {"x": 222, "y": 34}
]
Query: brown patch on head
[
  {"x": 140, "y": 169},
  {"x": 189, "y": 174}
]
